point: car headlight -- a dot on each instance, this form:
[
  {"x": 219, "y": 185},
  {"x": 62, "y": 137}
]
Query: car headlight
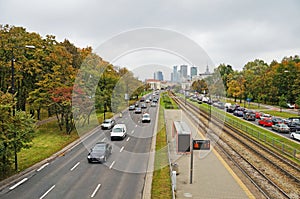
[
  {"x": 89, "y": 156},
  {"x": 102, "y": 157}
]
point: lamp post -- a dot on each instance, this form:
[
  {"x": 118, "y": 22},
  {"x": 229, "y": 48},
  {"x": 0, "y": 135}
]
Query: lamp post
[{"x": 13, "y": 93}]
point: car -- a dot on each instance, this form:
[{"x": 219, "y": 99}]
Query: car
[
  {"x": 153, "y": 104},
  {"x": 143, "y": 105},
  {"x": 147, "y": 101},
  {"x": 258, "y": 114},
  {"x": 138, "y": 110},
  {"x": 290, "y": 105},
  {"x": 238, "y": 113},
  {"x": 249, "y": 115},
  {"x": 131, "y": 107},
  {"x": 142, "y": 99},
  {"x": 108, "y": 124},
  {"x": 281, "y": 128},
  {"x": 118, "y": 132},
  {"x": 294, "y": 126},
  {"x": 267, "y": 122},
  {"x": 264, "y": 115},
  {"x": 277, "y": 120},
  {"x": 136, "y": 104},
  {"x": 295, "y": 135},
  {"x": 146, "y": 118},
  {"x": 100, "y": 152}
]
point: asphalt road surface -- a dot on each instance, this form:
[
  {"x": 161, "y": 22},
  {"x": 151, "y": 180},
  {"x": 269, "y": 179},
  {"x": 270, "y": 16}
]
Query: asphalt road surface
[{"x": 71, "y": 176}]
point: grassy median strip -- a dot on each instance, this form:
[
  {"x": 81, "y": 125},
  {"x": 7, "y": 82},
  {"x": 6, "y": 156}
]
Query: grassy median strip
[{"x": 161, "y": 182}]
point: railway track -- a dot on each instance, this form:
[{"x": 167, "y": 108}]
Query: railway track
[{"x": 272, "y": 174}]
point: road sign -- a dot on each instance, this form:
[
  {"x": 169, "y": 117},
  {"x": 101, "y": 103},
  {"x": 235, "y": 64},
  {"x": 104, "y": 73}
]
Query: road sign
[{"x": 201, "y": 144}]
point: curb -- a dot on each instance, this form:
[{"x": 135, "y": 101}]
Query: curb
[{"x": 149, "y": 175}]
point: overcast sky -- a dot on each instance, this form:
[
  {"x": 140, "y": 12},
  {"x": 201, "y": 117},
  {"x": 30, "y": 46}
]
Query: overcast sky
[{"x": 229, "y": 31}]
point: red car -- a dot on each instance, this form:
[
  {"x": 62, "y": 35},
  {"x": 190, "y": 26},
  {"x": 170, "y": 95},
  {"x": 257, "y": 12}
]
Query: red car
[
  {"x": 257, "y": 115},
  {"x": 265, "y": 122}
]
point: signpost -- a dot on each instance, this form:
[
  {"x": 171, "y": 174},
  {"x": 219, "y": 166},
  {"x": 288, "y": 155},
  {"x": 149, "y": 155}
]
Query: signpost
[{"x": 197, "y": 145}]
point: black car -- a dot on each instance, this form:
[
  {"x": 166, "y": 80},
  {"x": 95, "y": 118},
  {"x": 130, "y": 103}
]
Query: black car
[
  {"x": 100, "y": 152},
  {"x": 294, "y": 126},
  {"x": 249, "y": 115},
  {"x": 277, "y": 120}
]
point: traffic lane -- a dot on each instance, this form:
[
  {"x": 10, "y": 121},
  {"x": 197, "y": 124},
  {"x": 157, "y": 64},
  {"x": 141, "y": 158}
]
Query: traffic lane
[
  {"x": 33, "y": 189},
  {"x": 52, "y": 170}
]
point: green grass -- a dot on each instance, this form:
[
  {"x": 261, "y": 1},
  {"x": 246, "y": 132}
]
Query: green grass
[
  {"x": 48, "y": 141},
  {"x": 161, "y": 182}
]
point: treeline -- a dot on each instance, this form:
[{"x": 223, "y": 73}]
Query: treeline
[
  {"x": 275, "y": 83},
  {"x": 39, "y": 73}
]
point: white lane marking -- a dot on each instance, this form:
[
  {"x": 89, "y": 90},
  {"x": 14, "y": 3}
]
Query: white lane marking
[
  {"x": 47, "y": 192},
  {"x": 128, "y": 139},
  {"x": 43, "y": 166},
  {"x": 121, "y": 149},
  {"x": 75, "y": 166},
  {"x": 112, "y": 164},
  {"x": 132, "y": 131},
  {"x": 22, "y": 181},
  {"x": 136, "y": 125},
  {"x": 103, "y": 139},
  {"x": 95, "y": 191}
]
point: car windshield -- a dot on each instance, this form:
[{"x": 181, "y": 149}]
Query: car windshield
[
  {"x": 106, "y": 121},
  {"x": 146, "y": 116},
  {"x": 99, "y": 147},
  {"x": 117, "y": 130}
]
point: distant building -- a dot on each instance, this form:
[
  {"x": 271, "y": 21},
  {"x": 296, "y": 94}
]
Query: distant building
[
  {"x": 158, "y": 76},
  {"x": 175, "y": 74},
  {"x": 153, "y": 83},
  {"x": 193, "y": 71},
  {"x": 183, "y": 71}
]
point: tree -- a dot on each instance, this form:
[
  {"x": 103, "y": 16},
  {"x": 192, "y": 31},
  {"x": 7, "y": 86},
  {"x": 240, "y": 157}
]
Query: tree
[
  {"x": 17, "y": 132},
  {"x": 282, "y": 102}
]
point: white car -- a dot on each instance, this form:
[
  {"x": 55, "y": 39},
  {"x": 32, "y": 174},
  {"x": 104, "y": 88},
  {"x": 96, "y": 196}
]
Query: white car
[
  {"x": 108, "y": 124},
  {"x": 119, "y": 131},
  {"x": 295, "y": 135},
  {"x": 146, "y": 118}
]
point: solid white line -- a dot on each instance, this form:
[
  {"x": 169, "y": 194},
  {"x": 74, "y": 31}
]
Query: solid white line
[
  {"x": 103, "y": 139},
  {"x": 22, "y": 181},
  {"x": 121, "y": 149},
  {"x": 75, "y": 166},
  {"x": 128, "y": 139},
  {"x": 43, "y": 166},
  {"x": 47, "y": 192},
  {"x": 132, "y": 131},
  {"x": 112, "y": 164},
  {"x": 95, "y": 191}
]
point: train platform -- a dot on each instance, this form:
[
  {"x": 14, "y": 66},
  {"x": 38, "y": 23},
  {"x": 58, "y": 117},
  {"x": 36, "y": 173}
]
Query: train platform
[{"x": 211, "y": 175}]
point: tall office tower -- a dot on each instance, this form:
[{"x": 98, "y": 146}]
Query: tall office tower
[
  {"x": 193, "y": 71},
  {"x": 175, "y": 74},
  {"x": 183, "y": 72},
  {"x": 158, "y": 75}
]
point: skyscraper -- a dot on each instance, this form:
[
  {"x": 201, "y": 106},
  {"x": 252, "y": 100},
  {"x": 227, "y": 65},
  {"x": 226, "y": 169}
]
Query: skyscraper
[
  {"x": 193, "y": 71},
  {"x": 183, "y": 72},
  {"x": 175, "y": 76},
  {"x": 158, "y": 75}
]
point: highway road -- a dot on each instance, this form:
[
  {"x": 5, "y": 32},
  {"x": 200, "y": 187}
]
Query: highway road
[{"x": 71, "y": 176}]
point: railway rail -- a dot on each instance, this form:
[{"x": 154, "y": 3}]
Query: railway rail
[{"x": 272, "y": 174}]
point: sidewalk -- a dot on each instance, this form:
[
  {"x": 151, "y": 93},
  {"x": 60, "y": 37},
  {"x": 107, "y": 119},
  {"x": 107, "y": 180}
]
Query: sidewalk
[{"x": 212, "y": 177}]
